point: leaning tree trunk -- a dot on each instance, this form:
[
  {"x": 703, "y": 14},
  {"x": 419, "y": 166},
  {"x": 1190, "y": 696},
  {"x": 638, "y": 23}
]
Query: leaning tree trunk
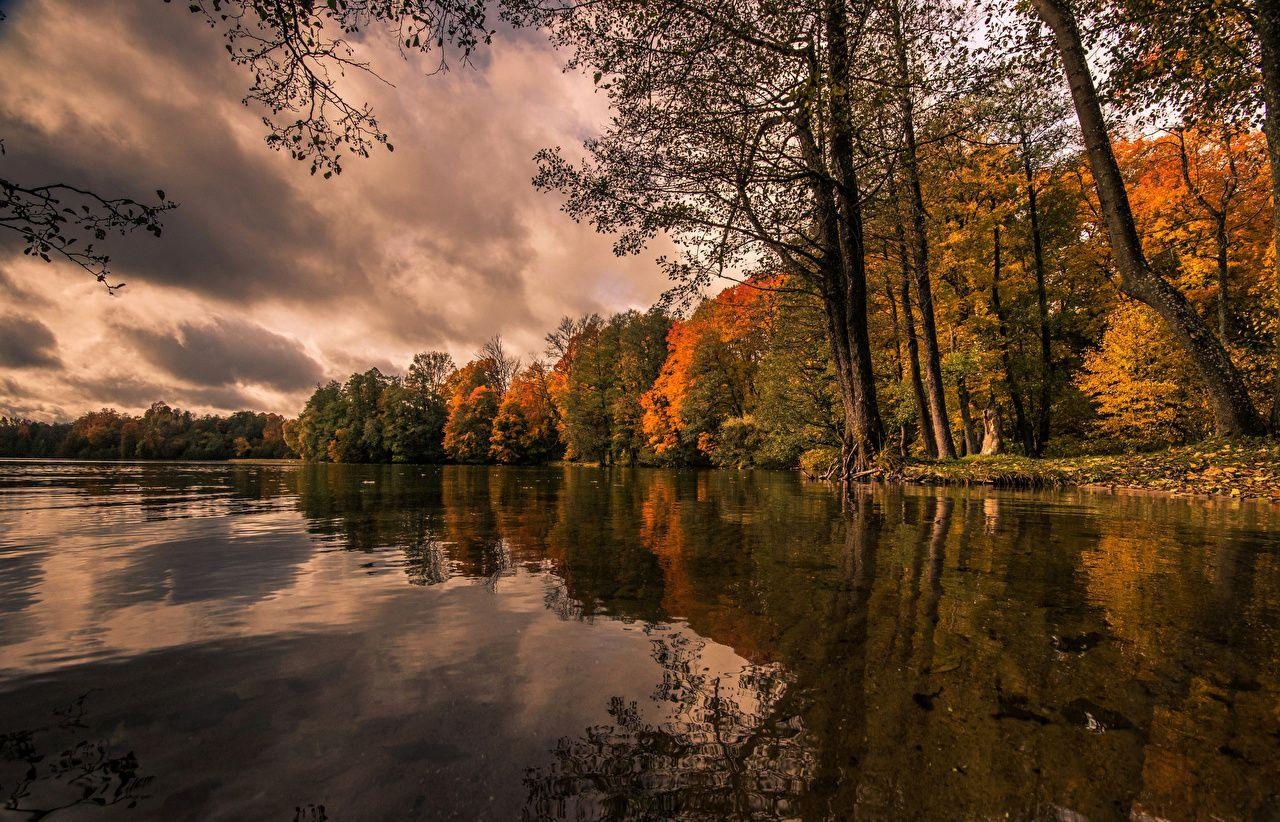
[
  {"x": 1266, "y": 25},
  {"x": 1233, "y": 410}
]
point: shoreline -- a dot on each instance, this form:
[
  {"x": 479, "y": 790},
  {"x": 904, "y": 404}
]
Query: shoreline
[
  {"x": 1215, "y": 470},
  {"x": 1243, "y": 469}
]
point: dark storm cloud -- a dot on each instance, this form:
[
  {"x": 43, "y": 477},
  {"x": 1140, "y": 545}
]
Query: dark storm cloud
[
  {"x": 240, "y": 230},
  {"x": 14, "y": 294},
  {"x": 127, "y": 392},
  {"x": 251, "y": 224},
  {"x": 25, "y": 342},
  {"x": 438, "y": 246},
  {"x": 227, "y": 351}
]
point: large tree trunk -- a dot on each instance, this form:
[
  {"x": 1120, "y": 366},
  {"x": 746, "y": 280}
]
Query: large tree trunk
[
  {"x": 846, "y": 299},
  {"x": 1233, "y": 410},
  {"x": 1266, "y": 25},
  {"x": 924, "y": 289},
  {"x": 851, "y": 350},
  {"x": 1041, "y": 439}
]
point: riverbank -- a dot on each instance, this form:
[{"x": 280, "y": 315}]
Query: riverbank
[{"x": 1243, "y": 469}]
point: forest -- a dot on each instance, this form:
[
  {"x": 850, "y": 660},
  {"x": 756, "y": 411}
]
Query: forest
[{"x": 160, "y": 432}]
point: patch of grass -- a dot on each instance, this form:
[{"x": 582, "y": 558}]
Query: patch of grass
[{"x": 1247, "y": 469}]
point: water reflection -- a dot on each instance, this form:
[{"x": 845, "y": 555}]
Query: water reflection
[
  {"x": 54, "y": 768},
  {"x": 580, "y": 643}
]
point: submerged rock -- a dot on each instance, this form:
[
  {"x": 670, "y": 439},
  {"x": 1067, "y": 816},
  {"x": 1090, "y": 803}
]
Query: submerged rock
[
  {"x": 1088, "y": 714},
  {"x": 1075, "y": 643}
]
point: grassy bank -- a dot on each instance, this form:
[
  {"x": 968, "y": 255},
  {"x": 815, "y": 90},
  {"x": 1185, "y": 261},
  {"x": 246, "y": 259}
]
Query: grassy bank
[{"x": 1246, "y": 469}]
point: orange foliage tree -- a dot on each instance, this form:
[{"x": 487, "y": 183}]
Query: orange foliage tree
[{"x": 708, "y": 378}]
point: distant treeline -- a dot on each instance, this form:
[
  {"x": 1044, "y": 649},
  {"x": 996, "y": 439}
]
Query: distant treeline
[
  {"x": 160, "y": 433},
  {"x": 742, "y": 381}
]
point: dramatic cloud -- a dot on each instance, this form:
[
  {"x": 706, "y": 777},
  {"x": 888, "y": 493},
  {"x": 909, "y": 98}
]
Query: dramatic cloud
[
  {"x": 439, "y": 245},
  {"x": 25, "y": 342},
  {"x": 227, "y": 351}
]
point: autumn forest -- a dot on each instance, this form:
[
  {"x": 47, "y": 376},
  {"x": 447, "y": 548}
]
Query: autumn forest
[{"x": 1031, "y": 339}]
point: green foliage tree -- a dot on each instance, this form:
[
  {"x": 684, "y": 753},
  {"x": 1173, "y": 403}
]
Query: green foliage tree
[
  {"x": 161, "y": 433},
  {"x": 415, "y": 410}
]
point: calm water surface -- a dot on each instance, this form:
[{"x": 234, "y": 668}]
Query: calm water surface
[{"x": 276, "y": 641}]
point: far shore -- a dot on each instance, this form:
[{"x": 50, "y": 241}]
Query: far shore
[{"x": 1237, "y": 469}]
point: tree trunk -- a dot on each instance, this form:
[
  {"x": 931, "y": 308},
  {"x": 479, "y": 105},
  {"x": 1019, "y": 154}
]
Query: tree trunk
[
  {"x": 913, "y": 351},
  {"x": 898, "y": 372},
  {"x": 924, "y": 289},
  {"x": 844, "y": 275},
  {"x": 1020, "y": 423},
  {"x": 1233, "y": 410},
  {"x": 969, "y": 441},
  {"x": 1044, "y": 410},
  {"x": 992, "y": 439},
  {"x": 1266, "y": 25},
  {"x": 851, "y": 350},
  {"x": 899, "y": 369},
  {"x": 1224, "y": 305}
]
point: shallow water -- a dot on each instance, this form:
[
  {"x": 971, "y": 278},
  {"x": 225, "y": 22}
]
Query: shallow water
[{"x": 280, "y": 641}]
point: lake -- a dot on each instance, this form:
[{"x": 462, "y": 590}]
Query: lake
[{"x": 286, "y": 641}]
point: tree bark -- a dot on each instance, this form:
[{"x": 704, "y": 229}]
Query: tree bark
[
  {"x": 843, "y": 278},
  {"x": 992, "y": 439},
  {"x": 1266, "y": 25},
  {"x": 1233, "y": 410},
  {"x": 924, "y": 289}
]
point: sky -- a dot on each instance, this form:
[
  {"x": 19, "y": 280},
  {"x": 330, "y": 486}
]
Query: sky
[{"x": 267, "y": 281}]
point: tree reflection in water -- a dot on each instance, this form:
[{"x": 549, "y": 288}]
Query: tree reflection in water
[
  {"x": 746, "y": 745},
  {"x": 56, "y": 767},
  {"x": 932, "y": 653},
  {"x": 729, "y": 749}
]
